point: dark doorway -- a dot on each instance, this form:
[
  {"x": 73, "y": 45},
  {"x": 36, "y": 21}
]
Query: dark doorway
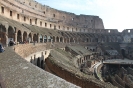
[
  {"x": 42, "y": 64},
  {"x": 19, "y": 37},
  {"x": 38, "y": 62},
  {"x": 96, "y": 40},
  {"x": 123, "y": 53}
]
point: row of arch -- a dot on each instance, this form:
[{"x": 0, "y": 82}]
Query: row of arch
[
  {"x": 38, "y": 62},
  {"x": 81, "y": 61},
  {"x": 65, "y": 37}
]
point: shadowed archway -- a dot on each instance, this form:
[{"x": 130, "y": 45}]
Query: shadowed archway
[
  {"x": 25, "y": 36},
  {"x": 42, "y": 64},
  {"x": 19, "y": 37},
  {"x": 38, "y": 62},
  {"x": 2, "y": 35}
]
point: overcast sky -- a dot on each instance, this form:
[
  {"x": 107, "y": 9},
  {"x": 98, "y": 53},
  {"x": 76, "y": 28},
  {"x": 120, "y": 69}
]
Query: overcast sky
[{"x": 116, "y": 14}]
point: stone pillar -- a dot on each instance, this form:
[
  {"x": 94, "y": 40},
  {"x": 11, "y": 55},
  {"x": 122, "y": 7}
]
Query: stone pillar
[
  {"x": 87, "y": 57},
  {"x": 69, "y": 40},
  {"x": 15, "y": 37},
  {"x": 38, "y": 38},
  {"x": 74, "y": 40},
  {"x": 55, "y": 39},
  {"x": 47, "y": 39},
  {"x": 6, "y": 40},
  {"x": 63, "y": 40},
  {"x": 42, "y": 39},
  {"x": 42, "y": 56},
  {"x": 35, "y": 61},
  {"x": 84, "y": 59},
  {"x": 22, "y": 37},
  {"x": 59, "y": 39},
  {"x": 31, "y": 37}
]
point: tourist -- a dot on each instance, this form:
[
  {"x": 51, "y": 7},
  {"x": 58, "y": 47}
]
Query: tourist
[
  {"x": 11, "y": 43},
  {"x": 1, "y": 48}
]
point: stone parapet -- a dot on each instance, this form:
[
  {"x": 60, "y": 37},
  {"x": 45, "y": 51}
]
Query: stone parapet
[{"x": 18, "y": 73}]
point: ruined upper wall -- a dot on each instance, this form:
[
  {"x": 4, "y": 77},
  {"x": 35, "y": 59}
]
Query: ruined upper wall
[{"x": 61, "y": 20}]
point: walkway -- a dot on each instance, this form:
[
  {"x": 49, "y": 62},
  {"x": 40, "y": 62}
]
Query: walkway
[
  {"x": 98, "y": 75},
  {"x": 118, "y": 61}
]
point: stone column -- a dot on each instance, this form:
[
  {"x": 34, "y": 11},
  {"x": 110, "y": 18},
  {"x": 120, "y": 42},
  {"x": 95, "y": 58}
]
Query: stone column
[
  {"x": 38, "y": 38},
  {"x": 55, "y": 39},
  {"x": 62, "y": 40},
  {"x": 6, "y": 40},
  {"x": 42, "y": 39},
  {"x": 16, "y": 38},
  {"x": 74, "y": 40},
  {"x": 69, "y": 40},
  {"x": 47, "y": 39},
  {"x": 35, "y": 61},
  {"x": 59, "y": 39},
  {"x": 22, "y": 37},
  {"x": 31, "y": 37}
]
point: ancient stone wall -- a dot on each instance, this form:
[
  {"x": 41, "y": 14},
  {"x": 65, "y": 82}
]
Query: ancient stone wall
[
  {"x": 84, "y": 83},
  {"x": 25, "y": 50},
  {"x": 32, "y": 12},
  {"x": 73, "y": 77},
  {"x": 116, "y": 84},
  {"x": 119, "y": 80},
  {"x": 130, "y": 71}
]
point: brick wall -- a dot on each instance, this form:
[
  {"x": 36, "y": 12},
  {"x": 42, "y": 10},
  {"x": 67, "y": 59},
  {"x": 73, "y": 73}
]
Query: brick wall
[
  {"x": 75, "y": 79},
  {"x": 25, "y": 50}
]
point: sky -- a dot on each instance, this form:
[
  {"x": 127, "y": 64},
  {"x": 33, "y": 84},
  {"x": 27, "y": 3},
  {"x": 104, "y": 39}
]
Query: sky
[{"x": 116, "y": 14}]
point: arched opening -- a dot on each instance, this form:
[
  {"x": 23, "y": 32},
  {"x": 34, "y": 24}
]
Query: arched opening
[
  {"x": 35, "y": 63},
  {"x": 65, "y": 40},
  {"x": 78, "y": 62},
  {"x": 41, "y": 38},
  {"x": 38, "y": 62},
  {"x": 2, "y": 35},
  {"x": 75, "y": 40},
  {"x": 45, "y": 38},
  {"x": 30, "y": 38},
  {"x": 80, "y": 39},
  {"x": 87, "y": 40},
  {"x": 54, "y": 27},
  {"x": 35, "y": 38},
  {"x": 11, "y": 33},
  {"x": 53, "y": 39},
  {"x": 25, "y": 37},
  {"x": 32, "y": 61},
  {"x": 57, "y": 39},
  {"x": 19, "y": 37},
  {"x": 49, "y": 38},
  {"x": 96, "y": 39},
  {"x": 71, "y": 40},
  {"x": 123, "y": 53},
  {"x": 42, "y": 64},
  {"x": 61, "y": 39},
  {"x": 30, "y": 21},
  {"x": 84, "y": 59}
]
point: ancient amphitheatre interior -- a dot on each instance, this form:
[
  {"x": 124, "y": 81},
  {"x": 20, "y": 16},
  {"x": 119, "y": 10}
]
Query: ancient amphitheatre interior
[{"x": 57, "y": 49}]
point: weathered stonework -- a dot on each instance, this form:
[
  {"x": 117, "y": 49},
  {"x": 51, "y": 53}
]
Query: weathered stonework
[
  {"x": 18, "y": 73},
  {"x": 37, "y": 29}
]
